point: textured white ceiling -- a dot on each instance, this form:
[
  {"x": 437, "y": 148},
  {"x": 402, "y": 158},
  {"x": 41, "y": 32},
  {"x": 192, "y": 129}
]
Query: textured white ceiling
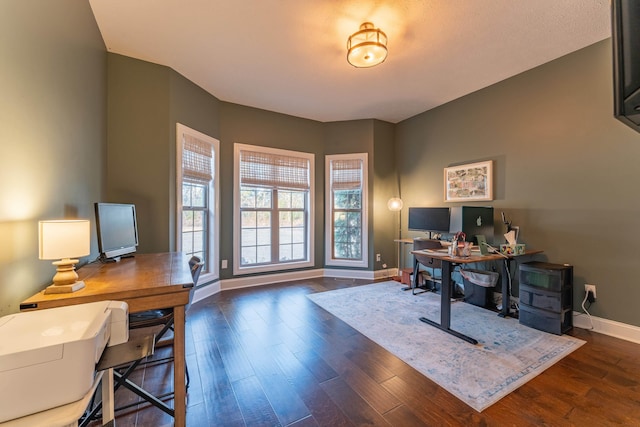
[{"x": 289, "y": 56}]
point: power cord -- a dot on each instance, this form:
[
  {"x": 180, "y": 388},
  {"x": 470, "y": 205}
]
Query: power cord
[{"x": 586, "y": 295}]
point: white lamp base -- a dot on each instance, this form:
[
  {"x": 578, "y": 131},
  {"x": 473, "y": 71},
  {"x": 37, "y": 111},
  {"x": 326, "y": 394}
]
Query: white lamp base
[{"x": 64, "y": 289}]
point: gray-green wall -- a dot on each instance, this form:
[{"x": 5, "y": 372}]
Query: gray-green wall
[
  {"x": 145, "y": 102},
  {"x": 52, "y": 132},
  {"x": 565, "y": 169}
]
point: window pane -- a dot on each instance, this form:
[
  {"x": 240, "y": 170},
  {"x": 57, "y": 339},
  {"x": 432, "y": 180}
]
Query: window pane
[
  {"x": 199, "y": 220},
  {"x": 198, "y": 241},
  {"x": 285, "y": 253},
  {"x": 264, "y": 236},
  {"x": 264, "y": 219},
  {"x": 340, "y": 219},
  {"x": 186, "y": 195},
  {"x": 247, "y": 198},
  {"x": 340, "y": 234},
  {"x": 298, "y": 251},
  {"x": 264, "y": 254},
  {"x": 199, "y": 196},
  {"x": 340, "y": 199},
  {"x": 285, "y": 235},
  {"x": 284, "y": 199},
  {"x": 355, "y": 199},
  {"x": 249, "y": 237},
  {"x": 249, "y": 255},
  {"x": 248, "y": 220},
  {"x": 263, "y": 199},
  {"x": 297, "y": 200},
  {"x": 187, "y": 221},
  {"x": 297, "y": 219},
  {"x": 285, "y": 219},
  {"x": 339, "y": 250},
  {"x": 187, "y": 242},
  {"x": 353, "y": 219},
  {"x": 298, "y": 235}
]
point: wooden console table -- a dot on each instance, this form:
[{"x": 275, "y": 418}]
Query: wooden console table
[
  {"x": 144, "y": 282},
  {"x": 448, "y": 264}
]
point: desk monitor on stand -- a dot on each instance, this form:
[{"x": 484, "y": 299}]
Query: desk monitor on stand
[
  {"x": 429, "y": 220},
  {"x": 117, "y": 230}
]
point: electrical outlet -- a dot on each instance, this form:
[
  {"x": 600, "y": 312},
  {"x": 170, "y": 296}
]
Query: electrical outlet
[
  {"x": 378, "y": 258},
  {"x": 591, "y": 292},
  {"x": 224, "y": 264}
]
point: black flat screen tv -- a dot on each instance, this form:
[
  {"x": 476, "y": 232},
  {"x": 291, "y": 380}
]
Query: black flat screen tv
[
  {"x": 625, "y": 36},
  {"x": 117, "y": 230},
  {"x": 429, "y": 219}
]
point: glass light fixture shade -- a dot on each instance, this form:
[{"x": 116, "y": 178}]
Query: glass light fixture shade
[
  {"x": 367, "y": 47},
  {"x": 394, "y": 204},
  {"x": 63, "y": 239}
]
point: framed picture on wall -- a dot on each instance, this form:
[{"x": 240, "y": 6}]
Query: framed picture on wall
[{"x": 470, "y": 182}]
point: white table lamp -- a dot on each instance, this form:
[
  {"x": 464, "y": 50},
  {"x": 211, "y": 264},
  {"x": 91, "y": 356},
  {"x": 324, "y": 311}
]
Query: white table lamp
[{"x": 61, "y": 240}]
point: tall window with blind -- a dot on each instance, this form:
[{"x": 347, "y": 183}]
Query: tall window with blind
[
  {"x": 346, "y": 239},
  {"x": 197, "y": 197},
  {"x": 273, "y": 206}
]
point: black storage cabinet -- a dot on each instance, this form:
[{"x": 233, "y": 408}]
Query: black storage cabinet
[{"x": 546, "y": 296}]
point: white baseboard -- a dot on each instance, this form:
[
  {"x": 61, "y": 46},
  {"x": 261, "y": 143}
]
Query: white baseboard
[
  {"x": 205, "y": 291},
  {"x": 580, "y": 320},
  {"x": 607, "y": 327},
  {"x": 267, "y": 279}
]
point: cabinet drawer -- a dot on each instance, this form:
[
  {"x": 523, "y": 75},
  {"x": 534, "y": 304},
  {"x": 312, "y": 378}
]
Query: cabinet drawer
[
  {"x": 543, "y": 320},
  {"x": 550, "y": 277},
  {"x": 538, "y": 298}
]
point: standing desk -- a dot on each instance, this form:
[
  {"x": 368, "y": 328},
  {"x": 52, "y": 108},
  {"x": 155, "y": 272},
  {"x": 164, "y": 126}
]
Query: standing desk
[
  {"x": 425, "y": 256},
  {"x": 144, "y": 282}
]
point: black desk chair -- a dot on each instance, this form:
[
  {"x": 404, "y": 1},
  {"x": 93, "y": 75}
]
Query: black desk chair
[{"x": 433, "y": 266}]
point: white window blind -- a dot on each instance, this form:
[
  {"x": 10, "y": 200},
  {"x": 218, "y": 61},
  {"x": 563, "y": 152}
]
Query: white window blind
[
  {"x": 346, "y": 174},
  {"x": 196, "y": 160},
  {"x": 274, "y": 170}
]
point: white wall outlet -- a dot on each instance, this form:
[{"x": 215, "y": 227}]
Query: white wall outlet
[
  {"x": 223, "y": 264},
  {"x": 592, "y": 289},
  {"x": 378, "y": 258}
]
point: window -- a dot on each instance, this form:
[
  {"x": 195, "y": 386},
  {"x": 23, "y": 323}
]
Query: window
[
  {"x": 274, "y": 194},
  {"x": 197, "y": 200},
  {"x": 346, "y": 210}
]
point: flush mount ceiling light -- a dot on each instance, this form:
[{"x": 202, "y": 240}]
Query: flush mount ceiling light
[{"x": 367, "y": 47}]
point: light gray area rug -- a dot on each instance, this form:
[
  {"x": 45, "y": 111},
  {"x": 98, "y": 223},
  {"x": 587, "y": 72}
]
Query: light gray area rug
[{"x": 507, "y": 354}]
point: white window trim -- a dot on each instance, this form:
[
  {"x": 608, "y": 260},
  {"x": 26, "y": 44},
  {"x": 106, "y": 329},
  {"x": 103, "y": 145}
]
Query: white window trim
[
  {"x": 214, "y": 202},
  {"x": 329, "y": 260},
  {"x": 237, "y": 269}
]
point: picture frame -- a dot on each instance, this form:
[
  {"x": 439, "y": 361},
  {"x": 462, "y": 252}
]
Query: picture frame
[{"x": 469, "y": 182}]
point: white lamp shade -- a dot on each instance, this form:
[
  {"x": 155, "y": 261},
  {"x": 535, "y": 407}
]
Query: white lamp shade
[{"x": 62, "y": 239}]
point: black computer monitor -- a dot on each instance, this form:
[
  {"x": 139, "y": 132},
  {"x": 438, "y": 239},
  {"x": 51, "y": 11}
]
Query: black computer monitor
[
  {"x": 117, "y": 230},
  {"x": 429, "y": 219}
]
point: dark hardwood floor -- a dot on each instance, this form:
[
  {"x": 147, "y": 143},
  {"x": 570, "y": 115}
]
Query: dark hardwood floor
[{"x": 268, "y": 356}]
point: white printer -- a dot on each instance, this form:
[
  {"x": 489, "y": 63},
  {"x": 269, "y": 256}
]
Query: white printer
[{"x": 48, "y": 357}]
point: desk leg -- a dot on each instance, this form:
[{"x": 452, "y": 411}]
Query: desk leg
[
  {"x": 445, "y": 305},
  {"x": 108, "y": 417},
  {"x": 179, "y": 403},
  {"x": 506, "y": 298}
]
